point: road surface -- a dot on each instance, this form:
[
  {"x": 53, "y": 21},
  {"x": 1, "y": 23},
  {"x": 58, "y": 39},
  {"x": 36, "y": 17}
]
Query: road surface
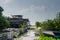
[{"x": 30, "y": 35}]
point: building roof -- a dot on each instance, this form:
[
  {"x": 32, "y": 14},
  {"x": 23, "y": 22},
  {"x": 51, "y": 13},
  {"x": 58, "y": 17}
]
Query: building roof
[
  {"x": 17, "y": 16},
  {"x": 51, "y": 32}
]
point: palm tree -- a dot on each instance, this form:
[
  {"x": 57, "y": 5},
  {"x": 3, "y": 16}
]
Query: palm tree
[{"x": 1, "y": 9}]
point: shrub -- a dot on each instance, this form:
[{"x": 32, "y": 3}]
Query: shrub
[{"x": 47, "y": 38}]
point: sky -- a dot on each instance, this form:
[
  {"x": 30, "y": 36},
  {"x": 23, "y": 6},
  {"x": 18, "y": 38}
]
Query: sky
[{"x": 34, "y": 10}]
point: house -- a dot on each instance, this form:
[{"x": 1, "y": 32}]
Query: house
[{"x": 16, "y": 20}]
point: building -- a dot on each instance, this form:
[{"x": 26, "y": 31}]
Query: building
[{"x": 17, "y": 20}]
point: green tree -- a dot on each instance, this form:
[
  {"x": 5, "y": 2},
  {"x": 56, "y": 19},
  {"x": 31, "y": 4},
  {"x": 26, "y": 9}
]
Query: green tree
[
  {"x": 58, "y": 16},
  {"x": 38, "y": 24},
  {"x": 48, "y": 25},
  {"x": 1, "y": 10},
  {"x": 57, "y": 21},
  {"x": 52, "y": 24},
  {"x": 57, "y": 24},
  {"x": 4, "y": 23}
]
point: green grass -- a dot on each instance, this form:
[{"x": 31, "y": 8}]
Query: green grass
[{"x": 47, "y": 38}]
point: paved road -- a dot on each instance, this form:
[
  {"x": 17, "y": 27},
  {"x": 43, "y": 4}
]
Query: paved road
[{"x": 30, "y": 35}]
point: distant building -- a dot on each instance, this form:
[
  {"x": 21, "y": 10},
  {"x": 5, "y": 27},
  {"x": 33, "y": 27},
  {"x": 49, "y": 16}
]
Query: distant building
[{"x": 16, "y": 20}]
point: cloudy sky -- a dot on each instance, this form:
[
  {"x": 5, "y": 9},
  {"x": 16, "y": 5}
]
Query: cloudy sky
[{"x": 35, "y": 10}]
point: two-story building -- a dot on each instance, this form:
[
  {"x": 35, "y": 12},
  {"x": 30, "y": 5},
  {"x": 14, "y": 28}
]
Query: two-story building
[{"x": 16, "y": 20}]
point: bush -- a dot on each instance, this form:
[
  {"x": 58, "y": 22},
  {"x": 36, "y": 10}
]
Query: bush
[{"x": 47, "y": 38}]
